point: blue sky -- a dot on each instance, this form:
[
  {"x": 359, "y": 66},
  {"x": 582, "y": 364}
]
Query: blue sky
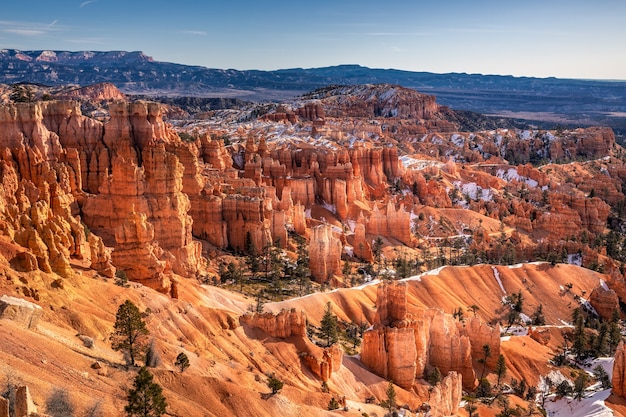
[{"x": 562, "y": 38}]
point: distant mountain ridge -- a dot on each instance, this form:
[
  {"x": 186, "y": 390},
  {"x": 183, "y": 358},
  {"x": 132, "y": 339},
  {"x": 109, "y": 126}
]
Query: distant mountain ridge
[{"x": 563, "y": 101}]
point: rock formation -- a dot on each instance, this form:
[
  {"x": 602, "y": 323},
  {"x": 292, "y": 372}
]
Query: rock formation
[
  {"x": 24, "y": 405},
  {"x": 324, "y": 254},
  {"x": 605, "y": 301},
  {"x": 139, "y": 255},
  {"x": 619, "y": 371},
  {"x": 446, "y": 396},
  {"x": 4, "y": 407},
  {"x": 20, "y": 311},
  {"x": 291, "y": 323},
  {"x": 325, "y": 364},
  {"x": 402, "y": 345},
  {"x": 285, "y": 324}
]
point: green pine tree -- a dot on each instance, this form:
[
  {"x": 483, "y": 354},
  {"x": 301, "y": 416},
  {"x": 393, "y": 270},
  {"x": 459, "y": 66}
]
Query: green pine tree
[
  {"x": 130, "y": 332},
  {"x": 145, "y": 398},
  {"x": 391, "y": 397},
  {"x": 329, "y": 326},
  {"x": 182, "y": 361},
  {"x": 500, "y": 369},
  {"x": 275, "y": 384}
]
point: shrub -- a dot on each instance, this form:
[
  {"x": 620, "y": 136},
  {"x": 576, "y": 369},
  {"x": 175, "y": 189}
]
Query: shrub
[
  {"x": 333, "y": 404},
  {"x": 59, "y": 403},
  {"x": 275, "y": 384}
]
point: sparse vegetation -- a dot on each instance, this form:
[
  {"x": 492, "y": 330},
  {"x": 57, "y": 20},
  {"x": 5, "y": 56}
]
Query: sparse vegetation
[
  {"x": 182, "y": 361},
  {"x": 145, "y": 398},
  {"x": 59, "y": 403},
  {"x": 329, "y": 327},
  {"x": 274, "y": 384},
  {"x": 130, "y": 332}
]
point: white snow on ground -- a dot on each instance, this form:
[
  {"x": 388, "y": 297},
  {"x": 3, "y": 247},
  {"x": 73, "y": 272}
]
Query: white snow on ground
[
  {"x": 474, "y": 192},
  {"x": 433, "y": 272},
  {"x": 330, "y": 207},
  {"x": 458, "y": 140},
  {"x": 587, "y": 305},
  {"x": 592, "y": 405},
  {"x": 516, "y": 266},
  {"x": 514, "y": 331},
  {"x": 512, "y": 175},
  {"x": 603, "y": 285},
  {"x": 418, "y": 164},
  {"x": 496, "y": 274}
]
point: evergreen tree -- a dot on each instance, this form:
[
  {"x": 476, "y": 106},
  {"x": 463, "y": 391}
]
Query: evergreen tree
[
  {"x": 329, "y": 326},
  {"x": 601, "y": 342},
  {"x": 391, "y": 397},
  {"x": 580, "y": 337},
  {"x": 274, "y": 384},
  {"x": 564, "y": 389},
  {"x": 130, "y": 332},
  {"x": 579, "y": 386},
  {"x": 615, "y": 333},
  {"x": 145, "y": 398},
  {"x": 470, "y": 407},
  {"x": 484, "y": 388},
  {"x": 602, "y": 376},
  {"x": 434, "y": 377},
  {"x": 500, "y": 368},
  {"x": 333, "y": 404},
  {"x": 253, "y": 257},
  {"x": 483, "y": 360},
  {"x": 182, "y": 361}
]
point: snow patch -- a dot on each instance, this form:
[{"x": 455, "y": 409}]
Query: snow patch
[
  {"x": 603, "y": 285},
  {"x": 496, "y": 274}
]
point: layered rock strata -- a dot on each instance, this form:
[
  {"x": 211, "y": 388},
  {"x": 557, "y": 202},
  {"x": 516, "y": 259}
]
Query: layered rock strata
[
  {"x": 401, "y": 346},
  {"x": 290, "y": 323}
]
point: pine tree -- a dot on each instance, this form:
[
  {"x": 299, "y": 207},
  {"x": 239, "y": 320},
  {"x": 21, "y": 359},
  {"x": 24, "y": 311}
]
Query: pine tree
[
  {"x": 182, "y": 361},
  {"x": 130, "y": 332},
  {"x": 615, "y": 334},
  {"x": 470, "y": 400},
  {"x": 483, "y": 360},
  {"x": 329, "y": 327},
  {"x": 145, "y": 398},
  {"x": 391, "y": 397},
  {"x": 579, "y": 386},
  {"x": 333, "y": 404},
  {"x": 500, "y": 368},
  {"x": 601, "y": 342},
  {"x": 580, "y": 338},
  {"x": 434, "y": 377},
  {"x": 602, "y": 376},
  {"x": 274, "y": 384}
]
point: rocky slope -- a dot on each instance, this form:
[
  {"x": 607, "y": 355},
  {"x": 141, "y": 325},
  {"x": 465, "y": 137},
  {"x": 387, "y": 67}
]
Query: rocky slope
[{"x": 370, "y": 180}]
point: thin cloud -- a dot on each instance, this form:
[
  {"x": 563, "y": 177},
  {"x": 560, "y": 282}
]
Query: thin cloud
[
  {"x": 29, "y": 28},
  {"x": 25, "y": 32},
  {"x": 83, "y": 4},
  {"x": 194, "y": 32}
]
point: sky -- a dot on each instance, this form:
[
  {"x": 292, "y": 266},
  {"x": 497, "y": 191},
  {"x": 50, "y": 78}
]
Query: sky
[{"x": 560, "y": 38}]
